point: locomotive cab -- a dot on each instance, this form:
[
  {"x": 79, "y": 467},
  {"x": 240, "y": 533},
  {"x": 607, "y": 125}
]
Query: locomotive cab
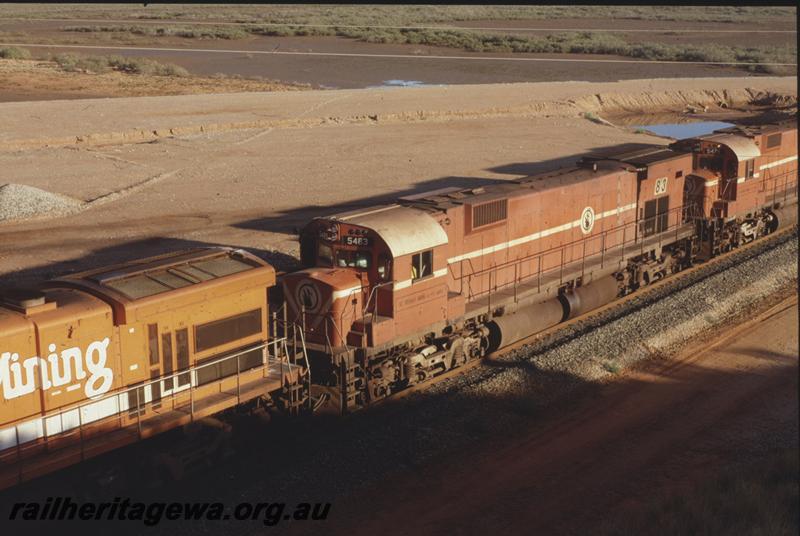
[
  {"x": 721, "y": 162},
  {"x": 356, "y": 267}
]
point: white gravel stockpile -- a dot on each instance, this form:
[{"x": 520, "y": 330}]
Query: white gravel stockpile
[{"x": 20, "y": 202}]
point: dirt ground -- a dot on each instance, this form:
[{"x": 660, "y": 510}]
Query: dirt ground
[
  {"x": 162, "y": 173},
  {"x": 29, "y": 80},
  {"x": 243, "y": 60},
  {"x": 664, "y": 427}
]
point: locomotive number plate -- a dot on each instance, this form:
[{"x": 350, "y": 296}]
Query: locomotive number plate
[
  {"x": 661, "y": 186},
  {"x": 362, "y": 241}
]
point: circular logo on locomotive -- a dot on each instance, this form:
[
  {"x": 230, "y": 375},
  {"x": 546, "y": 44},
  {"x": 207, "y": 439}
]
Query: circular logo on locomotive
[
  {"x": 308, "y": 297},
  {"x": 587, "y": 220}
]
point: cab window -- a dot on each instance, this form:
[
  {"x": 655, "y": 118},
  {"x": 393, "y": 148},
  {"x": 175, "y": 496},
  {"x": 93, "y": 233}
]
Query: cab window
[
  {"x": 325, "y": 255},
  {"x": 384, "y": 268},
  {"x": 352, "y": 259},
  {"x": 421, "y": 265}
]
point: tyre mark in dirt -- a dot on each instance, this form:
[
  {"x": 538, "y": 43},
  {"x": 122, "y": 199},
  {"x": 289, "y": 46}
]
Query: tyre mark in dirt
[
  {"x": 298, "y": 116},
  {"x": 123, "y": 192}
]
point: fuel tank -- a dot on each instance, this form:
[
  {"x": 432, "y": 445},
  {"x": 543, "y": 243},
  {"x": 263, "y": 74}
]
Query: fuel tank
[
  {"x": 505, "y": 330},
  {"x": 591, "y": 296}
]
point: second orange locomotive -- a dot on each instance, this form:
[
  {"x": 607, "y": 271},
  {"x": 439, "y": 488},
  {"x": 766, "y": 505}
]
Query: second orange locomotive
[{"x": 394, "y": 294}]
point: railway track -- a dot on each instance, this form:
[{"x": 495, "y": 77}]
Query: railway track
[{"x": 618, "y": 308}]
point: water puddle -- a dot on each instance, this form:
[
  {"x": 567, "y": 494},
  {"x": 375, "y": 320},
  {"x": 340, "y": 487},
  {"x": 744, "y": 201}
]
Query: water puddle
[
  {"x": 403, "y": 83},
  {"x": 680, "y": 131}
]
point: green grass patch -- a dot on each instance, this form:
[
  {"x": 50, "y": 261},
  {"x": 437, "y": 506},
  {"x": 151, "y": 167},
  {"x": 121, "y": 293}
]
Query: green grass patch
[
  {"x": 612, "y": 367},
  {"x": 204, "y": 32},
  {"x": 14, "y": 53}
]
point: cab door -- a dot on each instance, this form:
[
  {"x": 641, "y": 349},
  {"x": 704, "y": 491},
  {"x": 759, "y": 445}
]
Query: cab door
[{"x": 175, "y": 358}]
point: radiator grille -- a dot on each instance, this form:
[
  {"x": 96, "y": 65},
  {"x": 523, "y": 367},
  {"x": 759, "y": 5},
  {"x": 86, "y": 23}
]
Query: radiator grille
[{"x": 488, "y": 213}]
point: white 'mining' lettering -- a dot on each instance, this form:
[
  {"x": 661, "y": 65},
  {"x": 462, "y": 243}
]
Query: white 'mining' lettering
[{"x": 19, "y": 377}]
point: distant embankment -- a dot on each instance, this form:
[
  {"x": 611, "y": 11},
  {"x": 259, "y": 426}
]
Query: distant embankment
[{"x": 141, "y": 119}]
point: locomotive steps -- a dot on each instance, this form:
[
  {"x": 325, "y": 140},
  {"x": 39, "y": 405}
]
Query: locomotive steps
[{"x": 143, "y": 119}]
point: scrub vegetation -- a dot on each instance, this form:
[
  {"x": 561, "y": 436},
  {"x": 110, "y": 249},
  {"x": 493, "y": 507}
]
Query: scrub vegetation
[
  {"x": 434, "y": 27},
  {"x": 14, "y": 53},
  {"x": 761, "y": 498},
  {"x": 396, "y": 15},
  {"x": 583, "y": 42},
  {"x": 105, "y": 64}
]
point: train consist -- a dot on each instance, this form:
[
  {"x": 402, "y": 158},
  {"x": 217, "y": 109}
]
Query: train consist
[
  {"x": 393, "y": 295},
  {"x": 389, "y": 296}
]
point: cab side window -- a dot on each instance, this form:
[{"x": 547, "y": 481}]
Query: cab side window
[
  {"x": 750, "y": 168},
  {"x": 421, "y": 265},
  {"x": 384, "y": 267}
]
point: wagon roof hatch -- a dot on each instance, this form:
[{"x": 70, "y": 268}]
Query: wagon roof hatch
[{"x": 157, "y": 275}]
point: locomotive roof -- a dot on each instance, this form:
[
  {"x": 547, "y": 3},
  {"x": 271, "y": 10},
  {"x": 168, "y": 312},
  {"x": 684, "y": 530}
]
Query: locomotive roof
[
  {"x": 403, "y": 229},
  {"x": 742, "y": 146},
  {"x": 443, "y": 199},
  {"x": 156, "y": 275},
  {"x": 587, "y": 168},
  {"x": 640, "y": 157},
  {"x": 757, "y": 130}
]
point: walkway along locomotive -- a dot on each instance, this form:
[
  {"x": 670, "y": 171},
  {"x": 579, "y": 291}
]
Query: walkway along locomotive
[
  {"x": 104, "y": 358},
  {"x": 390, "y": 296},
  {"x": 395, "y": 294}
]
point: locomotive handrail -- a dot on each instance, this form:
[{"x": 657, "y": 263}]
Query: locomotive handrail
[
  {"x": 308, "y": 366},
  {"x": 577, "y": 242},
  {"x": 121, "y": 396},
  {"x": 638, "y": 225}
]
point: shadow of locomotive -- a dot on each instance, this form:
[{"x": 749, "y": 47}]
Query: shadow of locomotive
[
  {"x": 338, "y": 460},
  {"x": 120, "y": 253},
  {"x": 289, "y": 221},
  {"x": 524, "y": 169}
]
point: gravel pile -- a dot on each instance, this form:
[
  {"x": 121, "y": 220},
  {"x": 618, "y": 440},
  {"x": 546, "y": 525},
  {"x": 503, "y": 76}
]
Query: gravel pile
[{"x": 19, "y": 202}]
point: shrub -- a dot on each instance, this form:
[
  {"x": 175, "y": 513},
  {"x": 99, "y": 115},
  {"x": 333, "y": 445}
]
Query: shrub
[
  {"x": 104, "y": 64},
  {"x": 14, "y": 53}
]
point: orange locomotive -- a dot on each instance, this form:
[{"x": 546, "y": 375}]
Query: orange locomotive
[
  {"x": 394, "y": 294},
  {"x": 389, "y": 297},
  {"x": 744, "y": 180},
  {"x": 104, "y": 358}
]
